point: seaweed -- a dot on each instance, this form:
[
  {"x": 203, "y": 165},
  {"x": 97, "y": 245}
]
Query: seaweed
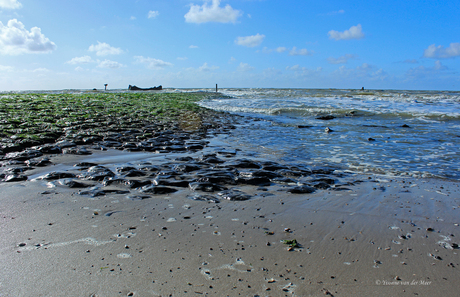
[{"x": 291, "y": 242}]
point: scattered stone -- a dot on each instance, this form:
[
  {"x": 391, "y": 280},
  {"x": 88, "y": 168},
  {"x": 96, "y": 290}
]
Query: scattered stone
[
  {"x": 153, "y": 189},
  {"x": 14, "y": 178},
  {"x": 200, "y": 197},
  {"x": 205, "y": 187},
  {"x": 58, "y": 175},
  {"x": 234, "y": 195},
  {"x": 326, "y": 117},
  {"x": 302, "y": 190}
]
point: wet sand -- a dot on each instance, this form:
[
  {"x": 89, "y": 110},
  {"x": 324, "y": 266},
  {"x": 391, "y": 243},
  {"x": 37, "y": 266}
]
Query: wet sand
[{"x": 382, "y": 237}]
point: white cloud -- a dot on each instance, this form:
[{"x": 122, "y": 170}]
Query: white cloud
[
  {"x": 153, "y": 14},
  {"x": 244, "y": 67},
  {"x": 301, "y": 52},
  {"x": 439, "y": 52},
  {"x": 364, "y": 72},
  {"x": 205, "y": 67},
  {"x": 250, "y": 41},
  {"x": 422, "y": 71},
  {"x": 80, "y": 60},
  {"x": 10, "y": 4},
  {"x": 109, "y": 64},
  {"x": 193, "y": 46},
  {"x": 232, "y": 60},
  {"x": 281, "y": 49},
  {"x": 152, "y": 63},
  {"x": 132, "y": 18},
  {"x": 341, "y": 60},
  {"x": 355, "y": 32},
  {"x": 6, "y": 68},
  {"x": 212, "y": 13},
  {"x": 182, "y": 58},
  {"x": 15, "y": 39},
  {"x": 104, "y": 49}
]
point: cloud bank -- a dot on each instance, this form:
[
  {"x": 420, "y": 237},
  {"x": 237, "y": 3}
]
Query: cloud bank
[
  {"x": 80, "y": 60},
  {"x": 10, "y": 4},
  {"x": 439, "y": 52},
  {"x": 104, "y": 49},
  {"x": 250, "y": 41},
  {"x": 152, "y": 63},
  {"x": 15, "y": 39},
  {"x": 212, "y": 13},
  {"x": 153, "y": 14},
  {"x": 355, "y": 32}
]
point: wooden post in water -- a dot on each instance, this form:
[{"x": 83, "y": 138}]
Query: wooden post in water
[{"x": 216, "y": 88}]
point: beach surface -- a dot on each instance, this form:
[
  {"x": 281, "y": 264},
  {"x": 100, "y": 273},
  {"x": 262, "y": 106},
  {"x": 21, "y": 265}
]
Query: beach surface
[
  {"x": 378, "y": 237},
  {"x": 102, "y": 198}
]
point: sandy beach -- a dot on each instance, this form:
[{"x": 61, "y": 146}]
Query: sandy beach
[
  {"x": 114, "y": 205},
  {"x": 379, "y": 237}
]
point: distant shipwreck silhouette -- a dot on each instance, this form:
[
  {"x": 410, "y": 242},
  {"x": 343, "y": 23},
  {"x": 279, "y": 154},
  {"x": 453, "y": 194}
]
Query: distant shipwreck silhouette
[{"x": 135, "y": 88}]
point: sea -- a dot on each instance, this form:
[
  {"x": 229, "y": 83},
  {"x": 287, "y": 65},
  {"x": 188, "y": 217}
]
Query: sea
[
  {"x": 404, "y": 133},
  {"x": 385, "y": 132}
]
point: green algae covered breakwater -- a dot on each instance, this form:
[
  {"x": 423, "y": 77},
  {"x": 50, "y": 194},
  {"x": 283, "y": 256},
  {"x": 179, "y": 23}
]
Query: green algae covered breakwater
[{"x": 28, "y": 120}]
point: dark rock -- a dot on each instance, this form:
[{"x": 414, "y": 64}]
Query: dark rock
[
  {"x": 234, "y": 195},
  {"x": 100, "y": 192},
  {"x": 24, "y": 155},
  {"x": 212, "y": 159},
  {"x": 326, "y": 117},
  {"x": 153, "y": 189},
  {"x": 138, "y": 197},
  {"x": 58, "y": 175},
  {"x": 65, "y": 144},
  {"x": 290, "y": 173},
  {"x": 188, "y": 167},
  {"x": 303, "y": 126},
  {"x": 321, "y": 185},
  {"x": 14, "y": 178},
  {"x": 171, "y": 182},
  {"x": 109, "y": 143},
  {"x": 256, "y": 181},
  {"x": 217, "y": 177},
  {"x": 76, "y": 151},
  {"x": 284, "y": 180},
  {"x": 258, "y": 173},
  {"x": 244, "y": 163},
  {"x": 73, "y": 184},
  {"x": 325, "y": 171},
  {"x": 328, "y": 181},
  {"x": 38, "y": 162},
  {"x": 92, "y": 139},
  {"x": 302, "y": 190},
  {"x": 272, "y": 166},
  {"x": 15, "y": 170},
  {"x": 97, "y": 173},
  {"x": 200, "y": 197},
  {"x": 50, "y": 149},
  {"x": 205, "y": 187},
  {"x": 174, "y": 148},
  {"x": 226, "y": 153},
  {"x": 85, "y": 165}
]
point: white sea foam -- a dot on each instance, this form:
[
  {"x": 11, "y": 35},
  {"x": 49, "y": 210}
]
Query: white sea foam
[{"x": 385, "y": 132}]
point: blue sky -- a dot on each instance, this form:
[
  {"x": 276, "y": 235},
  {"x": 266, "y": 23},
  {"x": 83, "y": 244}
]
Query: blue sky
[{"x": 50, "y": 44}]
